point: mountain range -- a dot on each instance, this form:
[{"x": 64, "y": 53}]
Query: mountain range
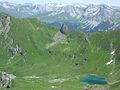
[{"x": 87, "y": 18}]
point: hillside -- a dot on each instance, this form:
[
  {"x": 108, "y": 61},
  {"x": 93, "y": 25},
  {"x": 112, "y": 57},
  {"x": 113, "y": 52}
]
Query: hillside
[{"x": 47, "y": 59}]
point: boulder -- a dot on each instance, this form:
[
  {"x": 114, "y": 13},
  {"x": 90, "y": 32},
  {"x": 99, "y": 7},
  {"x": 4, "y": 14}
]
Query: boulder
[{"x": 6, "y": 80}]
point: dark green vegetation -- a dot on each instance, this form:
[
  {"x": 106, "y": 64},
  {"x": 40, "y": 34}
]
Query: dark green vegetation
[{"x": 59, "y": 67}]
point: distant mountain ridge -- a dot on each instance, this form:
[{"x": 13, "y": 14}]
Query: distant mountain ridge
[{"x": 80, "y": 16}]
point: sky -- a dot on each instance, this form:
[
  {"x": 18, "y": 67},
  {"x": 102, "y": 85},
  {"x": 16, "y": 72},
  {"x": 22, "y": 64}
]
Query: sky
[{"x": 108, "y": 2}]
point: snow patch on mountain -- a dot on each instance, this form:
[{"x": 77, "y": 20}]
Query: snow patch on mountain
[
  {"x": 8, "y": 5},
  {"x": 112, "y": 59},
  {"x": 113, "y": 52},
  {"x": 108, "y": 63},
  {"x": 90, "y": 17}
]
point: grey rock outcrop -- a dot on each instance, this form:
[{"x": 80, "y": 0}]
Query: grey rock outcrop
[
  {"x": 59, "y": 36},
  {"x": 64, "y": 29},
  {"x": 6, "y": 80},
  {"x": 4, "y": 25},
  {"x": 15, "y": 50}
]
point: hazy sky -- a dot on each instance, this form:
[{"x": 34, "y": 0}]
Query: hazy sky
[{"x": 108, "y": 2}]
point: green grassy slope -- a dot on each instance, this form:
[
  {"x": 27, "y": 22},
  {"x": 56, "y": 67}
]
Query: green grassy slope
[{"x": 77, "y": 55}]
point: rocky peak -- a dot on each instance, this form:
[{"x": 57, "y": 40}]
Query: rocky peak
[{"x": 64, "y": 29}]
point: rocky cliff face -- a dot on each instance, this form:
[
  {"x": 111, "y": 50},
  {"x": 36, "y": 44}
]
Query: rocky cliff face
[
  {"x": 4, "y": 25},
  {"x": 6, "y": 80},
  {"x": 64, "y": 29},
  {"x": 59, "y": 36},
  {"x": 6, "y": 40}
]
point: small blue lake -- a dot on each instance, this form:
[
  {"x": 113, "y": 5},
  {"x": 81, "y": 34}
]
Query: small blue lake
[{"x": 93, "y": 79}]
